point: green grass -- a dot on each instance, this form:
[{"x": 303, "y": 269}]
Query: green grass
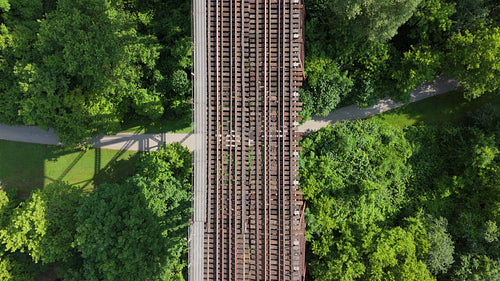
[
  {"x": 445, "y": 108},
  {"x": 25, "y": 166},
  {"x": 166, "y": 124}
]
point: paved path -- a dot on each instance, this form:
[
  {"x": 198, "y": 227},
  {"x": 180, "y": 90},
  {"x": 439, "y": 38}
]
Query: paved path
[
  {"x": 121, "y": 141},
  {"x": 441, "y": 85},
  {"x": 145, "y": 142}
]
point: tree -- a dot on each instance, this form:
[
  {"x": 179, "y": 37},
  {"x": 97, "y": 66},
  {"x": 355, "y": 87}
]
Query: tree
[
  {"x": 355, "y": 33},
  {"x": 133, "y": 231},
  {"x": 473, "y": 60},
  {"x": 471, "y": 13},
  {"x": 353, "y": 177},
  {"x": 373, "y": 20},
  {"x": 440, "y": 255},
  {"x": 84, "y": 67},
  {"x": 92, "y": 65},
  {"x": 44, "y": 224},
  {"x": 137, "y": 230},
  {"x": 170, "y": 161},
  {"x": 430, "y": 22},
  {"x": 477, "y": 267},
  {"x": 17, "y": 267},
  {"x": 4, "y": 5},
  {"x": 419, "y": 45},
  {"x": 397, "y": 254},
  {"x": 456, "y": 177},
  {"x": 324, "y": 89},
  {"x": 419, "y": 64}
]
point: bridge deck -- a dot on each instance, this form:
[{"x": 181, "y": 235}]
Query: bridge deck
[{"x": 253, "y": 225}]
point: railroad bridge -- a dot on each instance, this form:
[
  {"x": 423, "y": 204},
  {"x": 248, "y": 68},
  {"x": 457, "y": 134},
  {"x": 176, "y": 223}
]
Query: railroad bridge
[{"x": 247, "y": 221}]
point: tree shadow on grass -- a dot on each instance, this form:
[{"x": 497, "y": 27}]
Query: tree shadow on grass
[
  {"x": 25, "y": 167},
  {"x": 21, "y": 166},
  {"x": 448, "y": 108},
  {"x": 116, "y": 171}
]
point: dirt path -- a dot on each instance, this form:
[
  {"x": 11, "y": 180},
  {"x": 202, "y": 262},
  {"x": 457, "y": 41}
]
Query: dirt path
[{"x": 146, "y": 142}]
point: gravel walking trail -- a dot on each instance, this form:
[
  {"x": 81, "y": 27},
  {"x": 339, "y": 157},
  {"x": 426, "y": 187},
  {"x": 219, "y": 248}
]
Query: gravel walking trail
[{"x": 147, "y": 142}]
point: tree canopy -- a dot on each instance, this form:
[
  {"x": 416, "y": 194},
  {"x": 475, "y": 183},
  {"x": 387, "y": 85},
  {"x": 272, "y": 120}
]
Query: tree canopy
[
  {"x": 353, "y": 176},
  {"x": 132, "y": 230},
  {"x": 43, "y": 225},
  {"x": 388, "y": 48},
  {"x": 82, "y": 66},
  {"x": 388, "y": 204}
]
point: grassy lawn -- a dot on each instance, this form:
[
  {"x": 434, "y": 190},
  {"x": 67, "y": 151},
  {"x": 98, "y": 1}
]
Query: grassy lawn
[
  {"x": 25, "y": 166},
  {"x": 446, "y": 108},
  {"x": 166, "y": 124}
]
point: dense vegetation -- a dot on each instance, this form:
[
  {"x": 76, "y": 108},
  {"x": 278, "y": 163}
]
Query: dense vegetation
[
  {"x": 416, "y": 204},
  {"x": 384, "y": 203},
  {"x": 89, "y": 67},
  {"x": 133, "y": 229},
  {"x": 359, "y": 51},
  {"x": 85, "y": 67}
]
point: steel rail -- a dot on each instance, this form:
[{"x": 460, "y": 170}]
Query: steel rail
[{"x": 252, "y": 141}]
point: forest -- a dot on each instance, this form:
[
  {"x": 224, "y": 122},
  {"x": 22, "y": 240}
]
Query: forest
[
  {"x": 360, "y": 51},
  {"x": 87, "y": 67},
  {"x": 418, "y": 202},
  {"x": 415, "y": 203}
]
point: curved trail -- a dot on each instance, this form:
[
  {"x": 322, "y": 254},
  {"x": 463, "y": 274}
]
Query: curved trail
[
  {"x": 441, "y": 85},
  {"x": 148, "y": 142}
]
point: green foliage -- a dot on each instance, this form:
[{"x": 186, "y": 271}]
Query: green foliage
[
  {"x": 4, "y": 207},
  {"x": 477, "y": 268},
  {"x": 440, "y": 255},
  {"x": 131, "y": 231},
  {"x": 419, "y": 64},
  {"x": 173, "y": 160},
  {"x": 14, "y": 266},
  {"x": 93, "y": 59},
  {"x": 396, "y": 255},
  {"x": 81, "y": 66},
  {"x": 353, "y": 176},
  {"x": 324, "y": 89},
  {"x": 137, "y": 230},
  {"x": 473, "y": 58},
  {"x": 180, "y": 82},
  {"x": 429, "y": 213},
  {"x": 17, "y": 267},
  {"x": 373, "y": 20},
  {"x": 486, "y": 118},
  {"x": 391, "y": 47},
  {"x": 363, "y": 154},
  {"x": 148, "y": 105},
  {"x": 44, "y": 225},
  {"x": 456, "y": 176},
  {"x": 4, "y": 5},
  {"x": 355, "y": 35},
  {"x": 430, "y": 22},
  {"x": 471, "y": 12}
]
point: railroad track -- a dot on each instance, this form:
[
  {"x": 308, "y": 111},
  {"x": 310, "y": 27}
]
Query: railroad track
[{"x": 254, "y": 228}]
